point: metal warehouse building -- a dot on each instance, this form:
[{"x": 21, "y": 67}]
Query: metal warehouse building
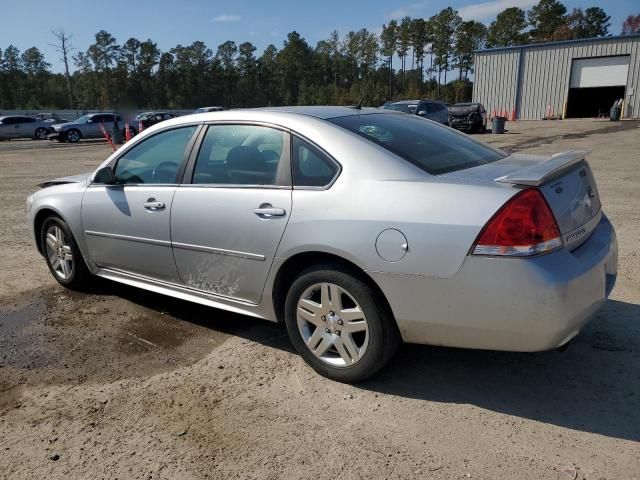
[{"x": 567, "y": 79}]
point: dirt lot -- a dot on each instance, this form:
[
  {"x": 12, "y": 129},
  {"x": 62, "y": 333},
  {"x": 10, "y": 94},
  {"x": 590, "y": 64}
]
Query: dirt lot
[{"x": 127, "y": 384}]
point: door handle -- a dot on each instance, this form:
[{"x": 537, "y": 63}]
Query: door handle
[
  {"x": 270, "y": 211},
  {"x": 152, "y": 204}
]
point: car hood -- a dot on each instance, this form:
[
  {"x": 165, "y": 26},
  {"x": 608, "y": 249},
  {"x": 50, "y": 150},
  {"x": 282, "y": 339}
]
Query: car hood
[
  {"x": 66, "y": 124},
  {"x": 80, "y": 178}
]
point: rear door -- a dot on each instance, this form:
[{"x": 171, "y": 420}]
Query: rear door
[{"x": 227, "y": 223}]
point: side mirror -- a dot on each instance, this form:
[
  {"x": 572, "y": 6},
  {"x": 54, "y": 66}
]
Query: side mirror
[
  {"x": 422, "y": 113},
  {"x": 104, "y": 176}
]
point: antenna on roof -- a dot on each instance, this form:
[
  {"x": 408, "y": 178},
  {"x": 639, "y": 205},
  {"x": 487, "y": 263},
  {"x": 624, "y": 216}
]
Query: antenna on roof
[{"x": 358, "y": 106}]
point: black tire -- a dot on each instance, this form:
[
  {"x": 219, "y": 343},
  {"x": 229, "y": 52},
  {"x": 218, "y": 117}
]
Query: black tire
[
  {"x": 71, "y": 136},
  {"x": 80, "y": 277},
  {"x": 384, "y": 337},
  {"x": 41, "y": 133}
]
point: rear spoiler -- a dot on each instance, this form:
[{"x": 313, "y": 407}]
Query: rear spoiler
[{"x": 537, "y": 174}]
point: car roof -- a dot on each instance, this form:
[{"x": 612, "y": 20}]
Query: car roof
[
  {"x": 15, "y": 116},
  {"x": 323, "y": 112},
  {"x": 407, "y": 102}
]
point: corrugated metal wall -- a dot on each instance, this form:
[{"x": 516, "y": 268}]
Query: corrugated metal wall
[{"x": 544, "y": 76}]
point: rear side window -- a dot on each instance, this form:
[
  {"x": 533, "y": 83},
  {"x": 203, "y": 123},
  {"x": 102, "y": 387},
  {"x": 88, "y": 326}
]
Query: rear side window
[
  {"x": 241, "y": 155},
  {"x": 433, "y": 148},
  {"x": 402, "y": 107},
  {"x": 311, "y": 167}
]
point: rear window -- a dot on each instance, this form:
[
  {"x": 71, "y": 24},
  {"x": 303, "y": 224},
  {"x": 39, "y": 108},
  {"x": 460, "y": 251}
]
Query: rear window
[
  {"x": 402, "y": 107},
  {"x": 434, "y": 148}
]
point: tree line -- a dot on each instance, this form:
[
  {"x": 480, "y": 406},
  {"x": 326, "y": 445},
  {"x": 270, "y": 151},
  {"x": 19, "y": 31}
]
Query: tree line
[{"x": 435, "y": 56}]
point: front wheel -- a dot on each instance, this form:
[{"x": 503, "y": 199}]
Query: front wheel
[
  {"x": 73, "y": 135},
  {"x": 338, "y": 326},
  {"x": 62, "y": 254}
]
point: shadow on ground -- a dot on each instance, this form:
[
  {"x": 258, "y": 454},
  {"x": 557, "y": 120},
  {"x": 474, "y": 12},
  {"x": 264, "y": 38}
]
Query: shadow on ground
[{"x": 593, "y": 386}]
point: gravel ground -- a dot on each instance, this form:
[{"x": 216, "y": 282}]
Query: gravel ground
[{"x": 121, "y": 383}]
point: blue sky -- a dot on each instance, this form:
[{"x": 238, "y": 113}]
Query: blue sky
[{"x": 27, "y": 23}]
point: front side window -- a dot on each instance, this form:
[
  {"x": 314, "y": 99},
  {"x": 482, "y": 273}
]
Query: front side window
[
  {"x": 155, "y": 159},
  {"x": 433, "y": 148},
  {"x": 240, "y": 155},
  {"x": 311, "y": 167}
]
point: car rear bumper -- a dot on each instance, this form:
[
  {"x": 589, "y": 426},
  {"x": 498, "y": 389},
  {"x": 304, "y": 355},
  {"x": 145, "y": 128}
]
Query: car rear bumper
[{"x": 510, "y": 304}]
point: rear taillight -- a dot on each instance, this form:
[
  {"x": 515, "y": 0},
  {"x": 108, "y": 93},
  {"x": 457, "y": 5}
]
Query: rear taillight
[{"x": 524, "y": 226}]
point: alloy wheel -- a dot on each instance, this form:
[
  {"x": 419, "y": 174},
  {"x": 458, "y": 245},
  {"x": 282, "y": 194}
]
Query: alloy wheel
[
  {"x": 73, "y": 136},
  {"x": 41, "y": 133},
  {"x": 332, "y": 324},
  {"x": 59, "y": 252}
]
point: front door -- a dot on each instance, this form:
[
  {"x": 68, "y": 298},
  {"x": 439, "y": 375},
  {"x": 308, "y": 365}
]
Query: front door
[
  {"x": 127, "y": 225},
  {"x": 226, "y": 225}
]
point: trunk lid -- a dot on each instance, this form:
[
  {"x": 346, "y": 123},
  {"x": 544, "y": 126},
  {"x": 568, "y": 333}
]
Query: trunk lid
[
  {"x": 565, "y": 180},
  {"x": 462, "y": 111}
]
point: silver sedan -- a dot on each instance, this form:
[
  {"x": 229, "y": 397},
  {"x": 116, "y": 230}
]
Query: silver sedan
[
  {"x": 358, "y": 228},
  {"x": 21, "y": 126}
]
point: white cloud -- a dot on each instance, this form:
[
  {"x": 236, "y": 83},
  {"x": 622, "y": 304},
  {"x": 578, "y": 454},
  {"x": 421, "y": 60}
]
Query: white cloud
[
  {"x": 226, "y": 18},
  {"x": 475, "y": 11},
  {"x": 488, "y": 10},
  {"x": 411, "y": 10}
]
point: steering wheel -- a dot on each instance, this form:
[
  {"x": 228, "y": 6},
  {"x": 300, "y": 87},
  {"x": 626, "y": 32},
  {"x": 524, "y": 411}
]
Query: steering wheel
[{"x": 164, "y": 172}]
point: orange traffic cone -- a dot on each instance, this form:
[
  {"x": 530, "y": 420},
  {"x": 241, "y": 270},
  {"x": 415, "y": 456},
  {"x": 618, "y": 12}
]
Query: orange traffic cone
[{"x": 127, "y": 132}]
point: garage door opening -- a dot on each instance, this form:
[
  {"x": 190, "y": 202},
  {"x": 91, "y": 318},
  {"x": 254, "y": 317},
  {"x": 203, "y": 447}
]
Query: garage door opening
[
  {"x": 595, "y": 84},
  {"x": 592, "y": 102}
]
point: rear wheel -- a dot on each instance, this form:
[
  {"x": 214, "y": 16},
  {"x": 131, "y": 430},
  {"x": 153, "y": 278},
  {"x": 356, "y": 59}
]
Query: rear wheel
[
  {"x": 62, "y": 254},
  {"x": 41, "y": 133},
  {"x": 338, "y": 326}
]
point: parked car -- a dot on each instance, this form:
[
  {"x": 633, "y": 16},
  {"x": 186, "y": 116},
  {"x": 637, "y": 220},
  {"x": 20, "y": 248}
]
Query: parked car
[
  {"x": 50, "y": 118},
  {"x": 151, "y": 118},
  {"x": 430, "y": 109},
  {"x": 468, "y": 117},
  {"x": 88, "y": 126},
  {"x": 356, "y": 227},
  {"x": 208, "y": 109},
  {"x": 22, "y": 126}
]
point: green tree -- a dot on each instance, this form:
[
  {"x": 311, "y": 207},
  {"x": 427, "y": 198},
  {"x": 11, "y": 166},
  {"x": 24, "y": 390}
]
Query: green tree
[
  {"x": 507, "y": 29},
  {"x": 12, "y": 69},
  {"x": 388, "y": 45},
  {"x": 404, "y": 42},
  {"x": 294, "y": 62},
  {"x": 545, "y": 19},
  {"x": 420, "y": 38},
  {"x": 445, "y": 25},
  {"x": 597, "y": 22},
  {"x": 103, "y": 55},
  {"x": 469, "y": 36},
  {"x": 268, "y": 75}
]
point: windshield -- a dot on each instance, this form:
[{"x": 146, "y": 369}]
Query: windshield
[
  {"x": 434, "y": 148},
  {"x": 83, "y": 119},
  {"x": 401, "y": 107}
]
